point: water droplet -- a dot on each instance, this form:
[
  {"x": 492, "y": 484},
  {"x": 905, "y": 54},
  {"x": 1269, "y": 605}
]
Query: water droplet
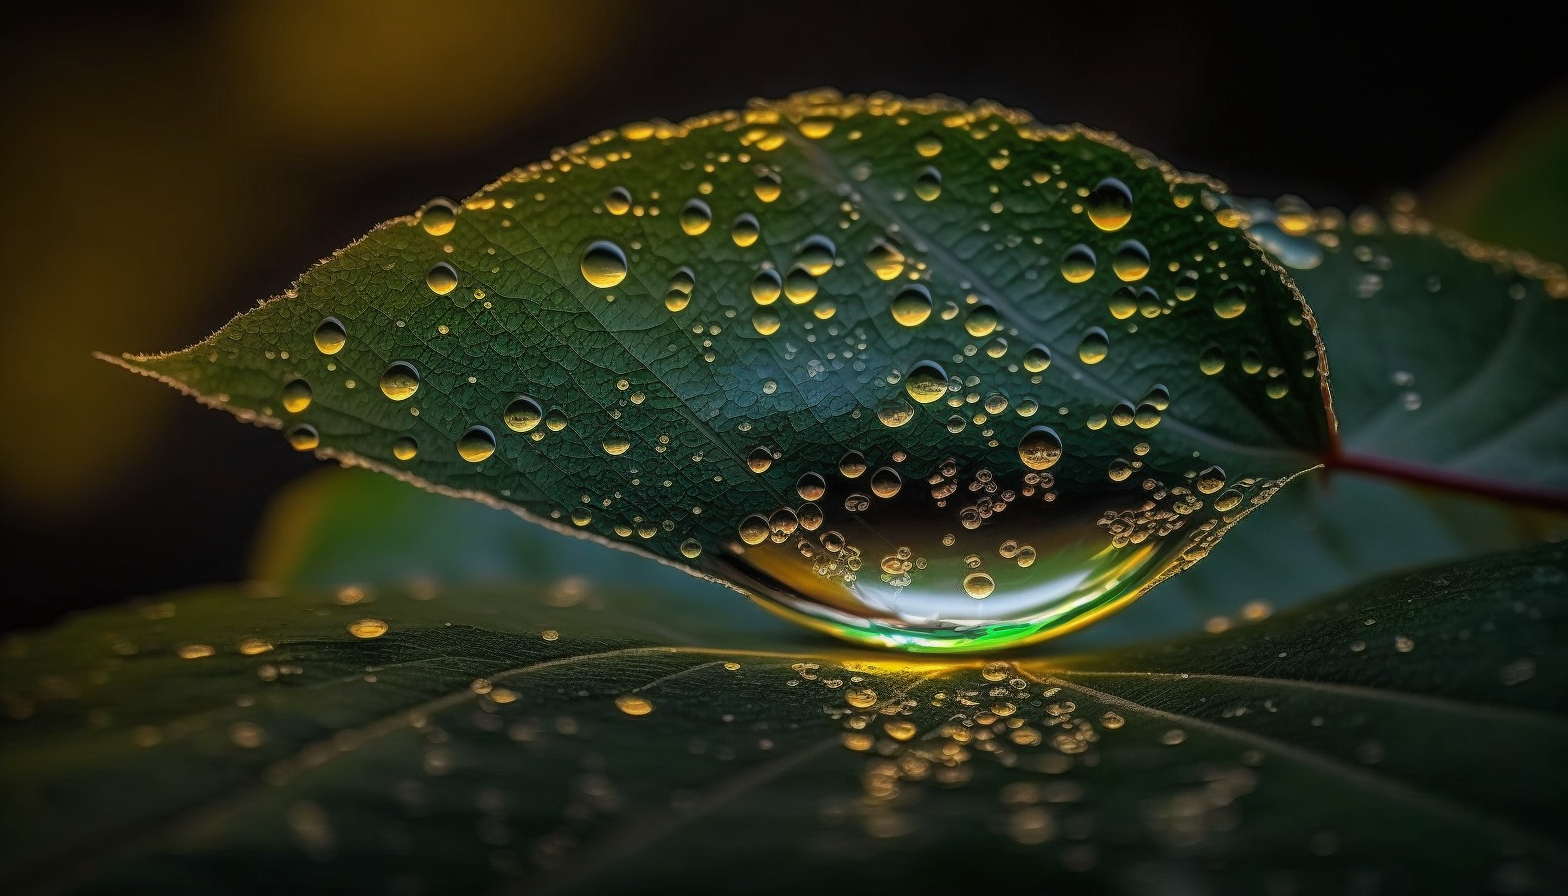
[
  {"x": 811, "y": 486},
  {"x": 928, "y": 184},
  {"x": 1123, "y": 303},
  {"x": 861, "y": 698},
  {"x": 1119, "y": 470},
  {"x": 753, "y": 530},
  {"x": 981, "y": 320},
  {"x": 618, "y": 202},
  {"x": 851, "y": 465},
  {"x": 745, "y": 230},
  {"x": 582, "y": 516},
  {"x": 476, "y": 444},
  {"x": 979, "y": 585},
  {"x": 368, "y": 628},
  {"x": 1109, "y": 205},
  {"x": 766, "y": 321},
  {"x": 1131, "y": 261},
  {"x": 1147, "y": 416},
  {"x": 330, "y": 336},
  {"x": 405, "y": 448},
  {"x": 895, "y": 413},
  {"x": 441, "y": 279},
  {"x": 438, "y": 217},
  {"x": 1227, "y": 500},
  {"x": 523, "y": 414},
  {"x": 399, "y": 381},
  {"x": 695, "y": 217},
  {"x": 1040, "y": 448},
  {"x": 691, "y": 548},
  {"x": 615, "y": 446},
  {"x": 766, "y": 287},
  {"x": 928, "y": 145},
  {"x": 768, "y": 186},
  {"x": 885, "y": 482},
  {"x": 800, "y": 286},
  {"x": 304, "y": 437},
  {"x": 296, "y": 396},
  {"x": 1037, "y": 359},
  {"x": 817, "y": 126},
  {"x": 1187, "y": 286},
  {"x": 1078, "y": 264},
  {"x": 912, "y": 305},
  {"x": 555, "y": 420},
  {"x": 1212, "y": 360},
  {"x": 1210, "y": 480},
  {"x": 884, "y": 259},
  {"x": 816, "y": 255},
  {"x": 760, "y": 459},
  {"x": 926, "y": 382},
  {"x": 604, "y": 264},
  {"x": 898, "y": 729},
  {"x": 1230, "y": 302},
  {"x": 633, "y": 705},
  {"x": 1094, "y": 347}
]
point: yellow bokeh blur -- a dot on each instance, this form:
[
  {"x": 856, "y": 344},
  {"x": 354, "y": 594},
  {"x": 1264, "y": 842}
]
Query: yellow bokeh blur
[{"x": 145, "y": 172}]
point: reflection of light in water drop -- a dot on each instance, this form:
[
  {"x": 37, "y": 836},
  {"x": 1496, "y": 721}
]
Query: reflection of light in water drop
[
  {"x": 1109, "y": 205},
  {"x": 475, "y": 445},
  {"x": 1094, "y": 346},
  {"x": 695, "y": 217},
  {"x": 330, "y": 336}
]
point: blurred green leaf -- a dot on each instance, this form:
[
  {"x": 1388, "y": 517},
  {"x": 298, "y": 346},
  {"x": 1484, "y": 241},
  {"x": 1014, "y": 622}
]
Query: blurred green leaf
[
  {"x": 1405, "y": 736},
  {"x": 921, "y": 304}
]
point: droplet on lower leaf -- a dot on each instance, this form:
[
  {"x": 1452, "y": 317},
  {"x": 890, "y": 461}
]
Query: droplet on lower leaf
[
  {"x": 696, "y": 217},
  {"x": 1040, "y": 448},
  {"x": 745, "y": 230},
  {"x": 1094, "y": 346},
  {"x": 441, "y": 279},
  {"x": 405, "y": 448},
  {"x": 330, "y": 336},
  {"x": 438, "y": 217},
  {"x": 603, "y": 264},
  {"x": 477, "y": 444},
  {"x": 296, "y": 396},
  {"x": 1109, "y": 205},
  {"x": 926, "y": 382},
  {"x": 399, "y": 381},
  {"x": 1230, "y": 302},
  {"x": 1078, "y": 264},
  {"x": 928, "y": 184},
  {"x": 304, "y": 437},
  {"x": 912, "y": 305},
  {"x": 1131, "y": 261},
  {"x": 1037, "y": 359},
  {"x": 522, "y": 414}
]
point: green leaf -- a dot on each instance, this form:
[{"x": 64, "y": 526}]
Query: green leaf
[
  {"x": 1402, "y": 737},
  {"x": 682, "y": 321}
]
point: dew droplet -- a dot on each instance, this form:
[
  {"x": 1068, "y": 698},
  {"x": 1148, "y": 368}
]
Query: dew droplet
[
  {"x": 441, "y": 279},
  {"x": 979, "y": 585},
  {"x": 884, "y": 259},
  {"x": 928, "y": 184},
  {"x": 1078, "y": 264},
  {"x": 1040, "y": 448},
  {"x": 861, "y": 698},
  {"x": 766, "y": 321},
  {"x": 811, "y": 486},
  {"x": 1131, "y": 261},
  {"x": 766, "y": 287},
  {"x": 895, "y": 413},
  {"x": 760, "y": 459},
  {"x": 618, "y": 202},
  {"x": 1212, "y": 360},
  {"x": 926, "y": 382},
  {"x": 851, "y": 465},
  {"x": 523, "y": 414},
  {"x": 1227, "y": 500},
  {"x": 695, "y": 217},
  {"x": 1210, "y": 480},
  {"x": 296, "y": 396},
  {"x": 691, "y": 548},
  {"x": 928, "y": 145},
  {"x": 886, "y": 483},
  {"x": 1230, "y": 302},
  {"x": 582, "y": 516},
  {"x": 745, "y": 230},
  {"x": 368, "y": 628},
  {"x": 555, "y": 420},
  {"x": 753, "y": 530},
  {"x": 604, "y": 264},
  {"x": 399, "y": 381},
  {"x": 438, "y": 217},
  {"x": 1037, "y": 359},
  {"x": 816, "y": 255},
  {"x": 768, "y": 186},
  {"x": 912, "y": 305},
  {"x": 405, "y": 448},
  {"x": 800, "y": 286},
  {"x": 304, "y": 437},
  {"x": 1119, "y": 470},
  {"x": 330, "y": 336},
  {"x": 1094, "y": 346},
  {"x": 633, "y": 705},
  {"x": 615, "y": 446},
  {"x": 477, "y": 444},
  {"x": 1147, "y": 416},
  {"x": 1123, "y": 303},
  {"x": 981, "y": 320},
  {"x": 1109, "y": 205}
]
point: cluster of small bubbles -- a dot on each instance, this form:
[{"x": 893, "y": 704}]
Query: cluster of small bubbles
[
  {"x": 695, "y": 217},
  {"x": 405, "y": 448},
  {"x": 603, "y": 264},
  {"x": 296, "y": 396},
  {"x": 1094, "y": 346},
  {"x": 928, "y": 184},
  {"x": 912, "y": 305},
  {"x": 1109, "y": 205},
  {"x": 745, "y": 230},
  {"x": 522, "y": 414},
  {"x": 981, "y": 321},
  {"x": 1131, "y": 261},
  {"x": 1230, "y": 302},
  {"x": 476, "y": 444},
  {"x": 303, "y": 437},
  {"x": 438, "y": 217},
  {"x": 399, "y": 381},
  {"x": 330, "y": 336},
  {"x": 884, "y": 259},
  {"x": 441, "y": 279},
  {"x": 1078, "y": 264},
  {"x": 618, "y": 202}
]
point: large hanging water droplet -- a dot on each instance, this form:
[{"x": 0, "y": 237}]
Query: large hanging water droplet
[
  {"x": 912, "y": 305},
  {"x": 1094, "y": 346},
  {"x": 296, "y": 396},
  {"x": 1040, "y": 448},
  {"x": 304, "y": 437},
  {"x": 926, "y": 382},
  {"x": 441, "y": 279},
  {"x": 1078, "y": 264},
  {"x": 438, "y": 217},
  {"x": 330, "y": 336},
  {"x": 477, "y": 444},
  {"x": 696, "y": 217},
  {"x": 1109, "y": 205},
  {"x": 399, "y": 381},
  {"x": 604, "y": 264},
  {"x": 523, "y": 414},
  {"x": 928, "y": 145},
  {"x": 886, "y": 483}
]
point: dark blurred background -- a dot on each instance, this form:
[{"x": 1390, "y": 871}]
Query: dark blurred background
[{"x": 166, "y": 167}]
